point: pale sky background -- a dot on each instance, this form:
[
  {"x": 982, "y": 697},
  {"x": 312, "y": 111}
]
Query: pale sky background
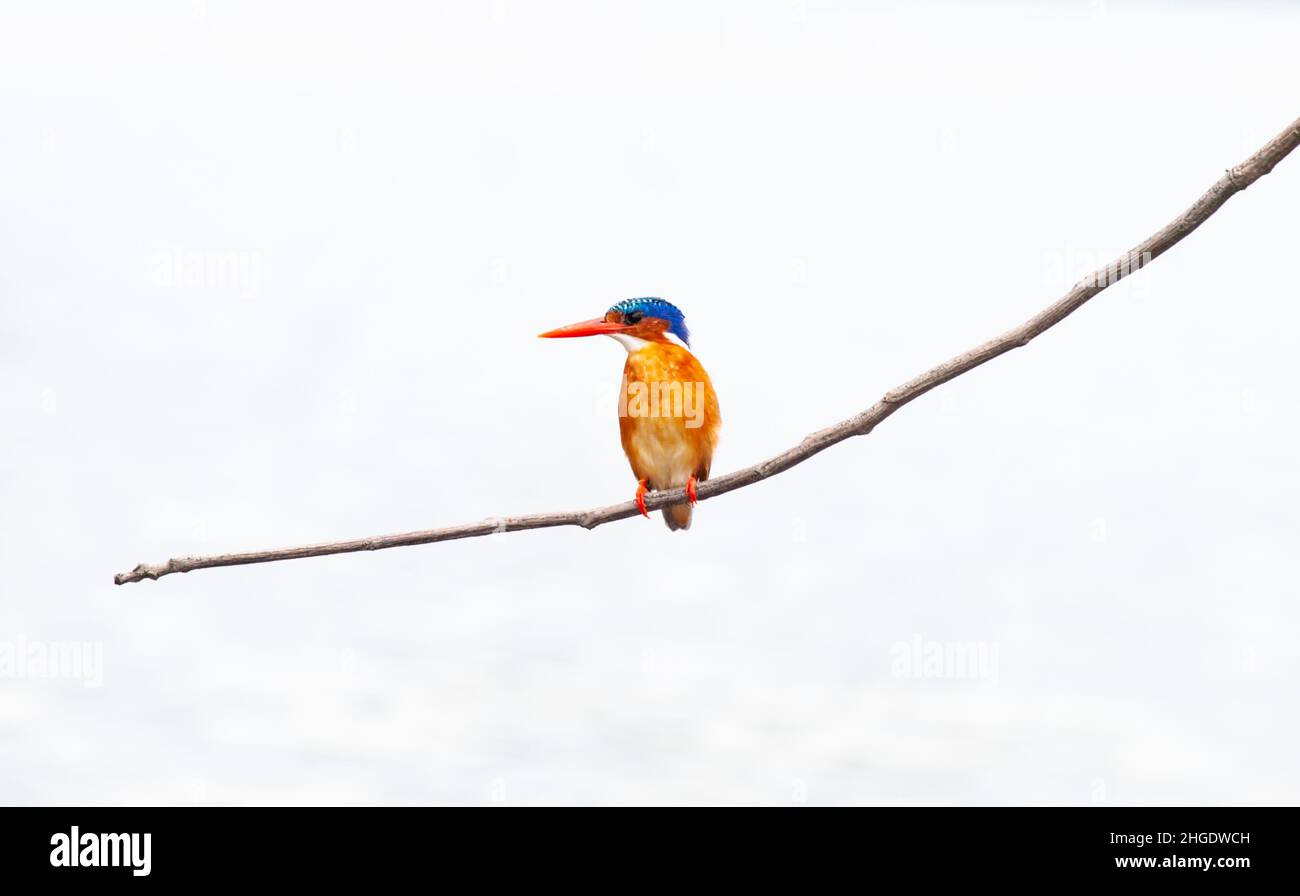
[{"x": 272, "y": 274}]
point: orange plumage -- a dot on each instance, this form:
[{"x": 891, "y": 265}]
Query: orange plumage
[
  {"x": 668, "y": 412},
  {"x": 675, "y": 439}
]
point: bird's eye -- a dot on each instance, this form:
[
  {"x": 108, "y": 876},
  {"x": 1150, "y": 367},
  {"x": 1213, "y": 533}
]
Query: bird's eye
[{"x": 632, "y": 317}]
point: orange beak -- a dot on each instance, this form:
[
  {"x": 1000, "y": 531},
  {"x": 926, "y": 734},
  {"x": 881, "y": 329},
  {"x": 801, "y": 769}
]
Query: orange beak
[{"x": 597, "y": 327}]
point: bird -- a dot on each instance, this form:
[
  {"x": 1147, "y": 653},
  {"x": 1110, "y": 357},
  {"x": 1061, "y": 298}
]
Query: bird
[{"x": 668, "y": 420}]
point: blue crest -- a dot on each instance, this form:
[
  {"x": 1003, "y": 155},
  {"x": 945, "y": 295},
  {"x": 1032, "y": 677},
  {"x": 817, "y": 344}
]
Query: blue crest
[{"x": 652, "y": 307}]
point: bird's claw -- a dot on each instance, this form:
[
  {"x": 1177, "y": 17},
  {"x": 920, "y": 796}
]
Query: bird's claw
[
  {"x": 690, "y": 490},
  {"x": 640, "y": 498}
]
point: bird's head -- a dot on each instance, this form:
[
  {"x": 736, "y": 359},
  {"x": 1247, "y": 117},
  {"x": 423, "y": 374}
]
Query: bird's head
[{"x": 632, "y": 322}]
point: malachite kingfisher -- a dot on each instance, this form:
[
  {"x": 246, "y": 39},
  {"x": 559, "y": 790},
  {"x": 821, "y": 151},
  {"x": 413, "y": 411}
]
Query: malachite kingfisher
[{"x": 667, "y": 410}]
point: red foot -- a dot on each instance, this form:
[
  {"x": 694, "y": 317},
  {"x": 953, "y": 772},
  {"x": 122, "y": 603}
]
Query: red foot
[
  {"x": 640, "y": 498},
  {"x": 690, "y": 490}
]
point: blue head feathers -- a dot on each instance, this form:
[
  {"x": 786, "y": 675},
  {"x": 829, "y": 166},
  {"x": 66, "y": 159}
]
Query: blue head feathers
[{"x": 635, "y": 309}]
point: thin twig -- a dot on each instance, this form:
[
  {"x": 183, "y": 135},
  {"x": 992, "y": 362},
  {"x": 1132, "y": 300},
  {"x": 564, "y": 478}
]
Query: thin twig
[{"x": 1235, "y": 180}]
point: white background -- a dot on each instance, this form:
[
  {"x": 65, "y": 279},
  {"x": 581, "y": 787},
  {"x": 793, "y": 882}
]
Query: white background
[{"x": 839, "y": 196}]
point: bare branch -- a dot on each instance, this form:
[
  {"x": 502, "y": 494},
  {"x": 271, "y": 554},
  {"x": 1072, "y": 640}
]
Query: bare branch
[{"x": 1235, "y": 180}]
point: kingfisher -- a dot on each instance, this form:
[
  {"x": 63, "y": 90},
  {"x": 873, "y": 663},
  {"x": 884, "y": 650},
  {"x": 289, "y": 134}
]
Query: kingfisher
[{"x": 667, "y": 411}]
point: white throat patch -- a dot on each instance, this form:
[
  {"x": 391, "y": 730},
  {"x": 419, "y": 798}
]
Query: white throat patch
[{"x": 631, "y": 343}]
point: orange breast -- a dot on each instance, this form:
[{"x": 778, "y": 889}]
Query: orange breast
[{"x": 668, "y": 415}]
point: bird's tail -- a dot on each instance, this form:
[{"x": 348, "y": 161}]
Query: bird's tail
[{"x": 678, "y": 516}]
